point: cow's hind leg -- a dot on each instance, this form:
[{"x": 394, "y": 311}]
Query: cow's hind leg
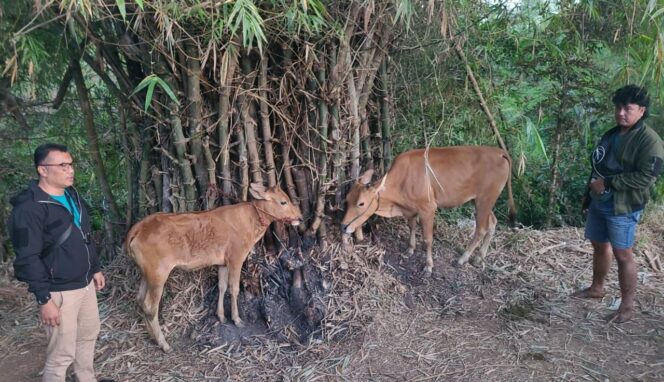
[
  {"x": 427, "y": 234},
  {"x": 140, "y": 296},
  {"x": 478, "y": 260},
  {"x": 223, "y": 285},
  {"x": 155, "y": 289},
  {"x": 481, "y": 228},
  {"x": 412, "y": 223}
]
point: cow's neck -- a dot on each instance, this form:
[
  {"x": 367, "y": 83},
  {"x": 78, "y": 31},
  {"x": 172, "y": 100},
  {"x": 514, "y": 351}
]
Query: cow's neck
[
  {"x": 389, "y": 205},
  {"x": 263, "y": 218}
]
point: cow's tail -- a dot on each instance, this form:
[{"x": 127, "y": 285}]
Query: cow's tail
[{"x": 510, "y": 201}]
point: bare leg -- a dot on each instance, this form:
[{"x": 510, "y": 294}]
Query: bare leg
[
  {"x": 627, "y": 279},
  {"x": 601, "y": 264},
  {"x": 222, "y": 278}
]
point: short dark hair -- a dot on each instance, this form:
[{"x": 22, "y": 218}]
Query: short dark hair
[
  {"x": 42, "y": 151},
  {"x": 632, "y": 94}
]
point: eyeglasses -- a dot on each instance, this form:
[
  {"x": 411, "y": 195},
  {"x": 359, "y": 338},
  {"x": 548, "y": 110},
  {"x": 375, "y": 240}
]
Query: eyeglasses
[{"x": 63, "y": 166}]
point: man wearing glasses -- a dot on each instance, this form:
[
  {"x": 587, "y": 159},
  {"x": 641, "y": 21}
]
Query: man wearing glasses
[{"x": 50, "y": 230}]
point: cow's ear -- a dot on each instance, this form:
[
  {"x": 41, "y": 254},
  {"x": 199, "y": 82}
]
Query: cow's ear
[
  {"x": 366, "y": 177},
  {"x": 257, "y": 190},
  {"x": 381, "y": 187}
]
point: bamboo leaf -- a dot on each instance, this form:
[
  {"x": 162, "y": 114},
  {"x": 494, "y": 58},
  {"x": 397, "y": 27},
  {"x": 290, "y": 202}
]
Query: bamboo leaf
[
  {"x": 122, "y": 7},
  {"x": 146, "y": 81},
  {"x": 140, "y": 4},
  {"x": 164, "y": 85},
  {"x": 148, "y": 96}
]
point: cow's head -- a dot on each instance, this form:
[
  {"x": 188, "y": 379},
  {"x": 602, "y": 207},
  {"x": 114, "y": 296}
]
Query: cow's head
[
  {"x": 361, "y": 202},
  {"x": 276, "y": 204}
]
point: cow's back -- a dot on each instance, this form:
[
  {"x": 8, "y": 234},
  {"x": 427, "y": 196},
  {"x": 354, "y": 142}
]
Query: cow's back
[
  {"x": 449, "y": 175},
  {"x": 191, "y": 240}
]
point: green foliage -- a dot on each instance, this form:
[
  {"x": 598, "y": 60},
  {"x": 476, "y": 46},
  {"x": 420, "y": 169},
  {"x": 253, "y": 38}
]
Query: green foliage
[
  {"x": 540, "y": 65},
  {"x": 151, "y": 82},
  {"x": 245, "y": 14}
]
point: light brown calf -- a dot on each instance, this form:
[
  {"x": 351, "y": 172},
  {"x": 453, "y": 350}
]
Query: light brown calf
[
  {"x": 419, "y": 182},
  {"x": 223, "y": 237}
]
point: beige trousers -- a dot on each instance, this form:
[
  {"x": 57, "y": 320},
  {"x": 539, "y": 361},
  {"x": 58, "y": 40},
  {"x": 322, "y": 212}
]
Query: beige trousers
[{"x": 73, "y": 341}]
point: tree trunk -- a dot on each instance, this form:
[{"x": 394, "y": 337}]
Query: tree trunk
[{"x": 557, "y": 138}]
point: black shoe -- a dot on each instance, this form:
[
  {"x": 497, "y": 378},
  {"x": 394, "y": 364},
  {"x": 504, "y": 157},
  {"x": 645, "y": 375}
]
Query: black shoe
[{"x": 106, "y": 380}]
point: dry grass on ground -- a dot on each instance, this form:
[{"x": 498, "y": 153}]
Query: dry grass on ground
[{"x": 511, "y": 321}]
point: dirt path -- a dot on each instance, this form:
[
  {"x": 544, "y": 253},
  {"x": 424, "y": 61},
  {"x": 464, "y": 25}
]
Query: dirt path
[{"x": 511, "y": 321}]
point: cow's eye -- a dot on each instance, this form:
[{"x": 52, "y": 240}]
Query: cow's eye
[
  {"x": 283, "y": 203},
  {"x": 361, "y": 204}
]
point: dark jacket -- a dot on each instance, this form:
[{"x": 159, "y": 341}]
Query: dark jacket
[
  {"x": 36, "y": 223},
  {"x": 640, "y": 158}
]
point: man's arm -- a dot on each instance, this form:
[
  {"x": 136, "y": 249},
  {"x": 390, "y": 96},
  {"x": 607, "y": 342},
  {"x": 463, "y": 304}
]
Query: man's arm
[
  {"x": 648, "y": 168},
  {"x": 26, "y": 232}
]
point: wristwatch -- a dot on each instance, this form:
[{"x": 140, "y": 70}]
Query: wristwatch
[{"x": 43, "y": 300}]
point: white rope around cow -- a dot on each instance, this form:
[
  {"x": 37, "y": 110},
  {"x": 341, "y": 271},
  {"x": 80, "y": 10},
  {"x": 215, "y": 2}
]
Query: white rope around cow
[{"x": 429, "y": 170}]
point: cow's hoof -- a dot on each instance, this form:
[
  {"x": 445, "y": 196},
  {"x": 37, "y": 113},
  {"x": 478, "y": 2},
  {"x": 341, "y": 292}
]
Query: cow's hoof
[
  {"x": 222, "y": 319},
  {"x": 166, "y": 348},
  {"x": 477, "y": 262},
  {"x": 426, "y": 272},
  {"x": 458, "y": 264},
  {"x": 239, "y": 323},
  {"x": 410, "y": 251}
]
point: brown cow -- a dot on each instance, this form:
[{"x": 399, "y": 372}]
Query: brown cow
[
  {"x": 223, "y": 237},
  {"x": 416, "y": 186}
]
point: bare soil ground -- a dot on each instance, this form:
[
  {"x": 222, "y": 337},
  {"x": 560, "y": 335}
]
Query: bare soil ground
[{"x": 512, "y": 320}]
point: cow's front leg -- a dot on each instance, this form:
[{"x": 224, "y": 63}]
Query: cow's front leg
[
  {"x": 222, "y": 277},
  {"x": 234, "y": 281},
  {"x": 427, "y": 233}
]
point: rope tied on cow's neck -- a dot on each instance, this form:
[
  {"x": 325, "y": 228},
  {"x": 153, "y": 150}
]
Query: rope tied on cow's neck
[
  {"x": 264, "y": 222},
  {"x": 377, "y": 198},
  {"x": 261, "y": 220}
]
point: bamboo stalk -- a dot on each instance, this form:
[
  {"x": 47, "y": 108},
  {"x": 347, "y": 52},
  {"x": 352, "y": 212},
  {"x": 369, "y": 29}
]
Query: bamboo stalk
[
  {"x": 130, "y": 166},
  {"x": 478, "y": 92},
  {"x": 229, "y": 62},
  {"x": 248, "y": 118},
  {"x": 180, "y": 142},
  {"x": 323, "y": 121},
  {"x": 195, "y": 111},
  {"x": 386, "y": 122},
  {"x": 265, "y": 123},
  {"x": 93, "y": 140},
  {"x": 212, "y": 192},
  {"x": 337, "y": 141}
]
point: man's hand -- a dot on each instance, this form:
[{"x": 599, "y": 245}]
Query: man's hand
[
  {"x": 597, "y": 185},
  {"x": 49, "y": 314},
  {"x": 100, "y": 281}
]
